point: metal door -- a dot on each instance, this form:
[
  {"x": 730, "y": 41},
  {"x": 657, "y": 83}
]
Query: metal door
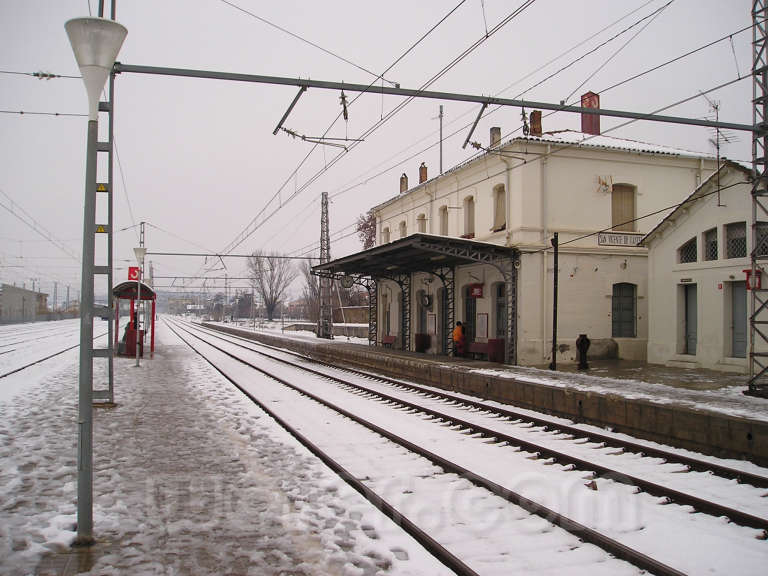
[
  {"x": 739, "y": 319},
  {"x": 470, "y": 310},
  {"x": 691, "y": 326}
]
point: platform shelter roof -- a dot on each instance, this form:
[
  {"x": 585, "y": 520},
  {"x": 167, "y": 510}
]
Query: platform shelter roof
[
  {"x": 416, "y": 253},
  {"x": 127, "y": 291}
]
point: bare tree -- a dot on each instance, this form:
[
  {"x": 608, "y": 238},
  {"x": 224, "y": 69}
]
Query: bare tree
[
  {"x": 271, "y": 275},
  {"x": 366, "y": 229},
  {"x": 311, "y": 291}
]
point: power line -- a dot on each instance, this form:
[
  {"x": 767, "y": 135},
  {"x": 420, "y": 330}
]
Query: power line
[
  {"x": 30, "y": 113},
  {"x": 306, "y": 41},
  {"x": 655, "y": 213},
  {"x": 603, "y": 91},
  {"x": 567, "y": 146},
  {"x": 402, "y": 105},
  {"x": 245, "y": 234},
  {"x": 35, "y": 226},
  {"x": 38, "y": 75}
]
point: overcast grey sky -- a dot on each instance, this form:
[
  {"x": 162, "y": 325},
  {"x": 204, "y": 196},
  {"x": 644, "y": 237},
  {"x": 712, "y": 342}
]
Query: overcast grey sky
[{"x": 198, "y": 160}]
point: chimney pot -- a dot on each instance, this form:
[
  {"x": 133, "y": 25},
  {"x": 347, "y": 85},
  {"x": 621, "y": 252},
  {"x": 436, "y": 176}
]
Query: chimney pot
[
  {"x": 403, "y": 183},
  {"x": 536, "y": 123},
  {"x": 495, "y": 136},
  {"x": 422, "y": 173},
  {"x": 590, "y": 123}
]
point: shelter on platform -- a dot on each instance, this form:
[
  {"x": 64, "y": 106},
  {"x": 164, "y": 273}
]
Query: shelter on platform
[
  {"x": 412, "y": 264},
  {"x": 131, "y": 290}
]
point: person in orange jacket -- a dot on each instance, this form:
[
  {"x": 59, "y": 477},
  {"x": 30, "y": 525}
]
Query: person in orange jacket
[{"x": 458, "y": 339}]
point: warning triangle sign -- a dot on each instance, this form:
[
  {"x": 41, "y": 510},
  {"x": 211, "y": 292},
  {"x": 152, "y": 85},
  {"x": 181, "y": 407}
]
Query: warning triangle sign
[
  {"x": 101, "y": 187},
  {"x": 100, "y": 229}
]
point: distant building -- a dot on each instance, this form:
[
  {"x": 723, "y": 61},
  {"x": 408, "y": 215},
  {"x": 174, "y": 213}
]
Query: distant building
[
  {"x": 698, "y": 259},
  {"x": 21, "y": 305}
]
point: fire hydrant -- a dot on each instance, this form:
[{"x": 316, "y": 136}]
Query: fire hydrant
[{"x": 582, "y": 345}]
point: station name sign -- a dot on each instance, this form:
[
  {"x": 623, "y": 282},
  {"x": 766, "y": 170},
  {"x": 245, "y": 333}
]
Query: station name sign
[{"x": 618, "y": 239}]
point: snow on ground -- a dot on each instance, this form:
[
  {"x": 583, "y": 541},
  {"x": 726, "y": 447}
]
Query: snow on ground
[
  {"x": 614, "y": 509},
  {"x": 190, "y": 478},
  {"x": 723, "y": 393}
]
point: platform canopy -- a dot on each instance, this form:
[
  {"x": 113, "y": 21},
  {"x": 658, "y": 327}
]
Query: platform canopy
[
  {"x": 437, "y": 255},
  {"x": 127, "y": 291},
  {"x": 418, "y": 253}
]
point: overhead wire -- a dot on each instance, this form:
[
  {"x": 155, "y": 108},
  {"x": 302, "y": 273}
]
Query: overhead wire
[
  {"x": 602, "y": 91},
  {"x": 566, "y": 146},
  {"x": 247, "y": 231},
  {"x": 306, "y": 41}
]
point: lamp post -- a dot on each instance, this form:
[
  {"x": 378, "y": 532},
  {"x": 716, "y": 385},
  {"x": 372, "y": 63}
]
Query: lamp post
[
  {"x": 140, "y": 252},
  {"x": 95, "y": 42}
]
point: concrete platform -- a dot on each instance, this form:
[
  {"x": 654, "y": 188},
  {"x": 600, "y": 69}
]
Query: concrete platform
[{"x": 698, "y": 410}]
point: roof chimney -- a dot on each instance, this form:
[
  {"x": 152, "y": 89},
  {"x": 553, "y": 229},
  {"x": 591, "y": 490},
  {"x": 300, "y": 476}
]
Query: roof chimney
[
  {"x": 590, "y": 123},
  {"x": 403, "y": 183},
  {"x": 422, "y": 173},
  {"x": 535, "y": 123},
  {"x": 495, "y": 136}
]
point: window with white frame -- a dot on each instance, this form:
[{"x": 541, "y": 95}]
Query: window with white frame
[
  {"x": 623, "y": 207},
  {"x": 499, "y": 208},
  {"x": 736, "y": 240},
  {"x": 421, "y": 223},
  {"x": 710, "y": 244},
  {"x": 687, "y": 252},
  {"x": 469, "y": 217},
  {"x": 761, "y": 239},
  {"x": 444, "y": 220}
]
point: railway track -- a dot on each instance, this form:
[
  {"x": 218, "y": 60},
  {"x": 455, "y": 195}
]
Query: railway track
[
  {"x": 41, "y": 360},
  {"x": 537, "y": 422},
  {"x": 471, "y": 430}
]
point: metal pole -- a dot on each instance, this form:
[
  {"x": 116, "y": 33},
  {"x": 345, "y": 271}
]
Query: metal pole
[
  {"x": 415, "y": 93},
  {"x": 138, "y": 304},
  {"x": 441, "y": 138},
  {"x": 553, "y": 364},
  {"x": 85, "y": 383}
]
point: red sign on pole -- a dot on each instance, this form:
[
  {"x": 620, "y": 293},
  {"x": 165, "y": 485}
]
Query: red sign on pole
[{"x": 133, "y": 273}]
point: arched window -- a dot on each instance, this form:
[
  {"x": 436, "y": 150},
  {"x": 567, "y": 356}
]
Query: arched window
[
  {"x": 403, "y": 229},
  {"x": 385, "y": 235},
  {"x": 444, "y": 220},
  {"x": 499, "y": 208},
  {"x": 469, "y": 217},
  {"x": 623, "y": 207},
  {"x": 624, "y": 310},
  {"x": 421, "y": 223}
]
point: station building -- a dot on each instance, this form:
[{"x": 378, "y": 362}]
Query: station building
[
  {"x": 474, "y": 245},
  {"x": 698, "y": 269}
]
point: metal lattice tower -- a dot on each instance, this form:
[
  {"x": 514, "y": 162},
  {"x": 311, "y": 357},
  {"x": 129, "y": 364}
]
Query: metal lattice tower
[
  {"x": 758, "y": 317},
  {"x": 325, "y": 318}
]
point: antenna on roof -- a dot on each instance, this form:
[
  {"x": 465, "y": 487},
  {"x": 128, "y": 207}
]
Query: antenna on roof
[{"x": 714, "y": 105}]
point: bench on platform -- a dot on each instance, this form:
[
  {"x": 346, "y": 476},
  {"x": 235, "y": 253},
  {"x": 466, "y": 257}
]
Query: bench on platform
[
  {"x": 387, "y": 341},
  {"x": 478, "y": 348}
]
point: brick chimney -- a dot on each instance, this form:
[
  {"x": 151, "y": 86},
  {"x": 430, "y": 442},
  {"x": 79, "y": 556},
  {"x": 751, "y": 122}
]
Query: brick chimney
[
  {"x": 422, "y": 173},
  {"x": 403, "y": 183},
  {"x": 535, "y": 123},
  {"x": 495, "y": 136},
  {"x": 590, "y": 123}
]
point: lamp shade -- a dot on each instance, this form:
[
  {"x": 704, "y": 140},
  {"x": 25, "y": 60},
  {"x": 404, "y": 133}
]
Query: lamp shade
[
  {"x": 140, "y": 252},
  {"x": 95, "y": 42}
]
